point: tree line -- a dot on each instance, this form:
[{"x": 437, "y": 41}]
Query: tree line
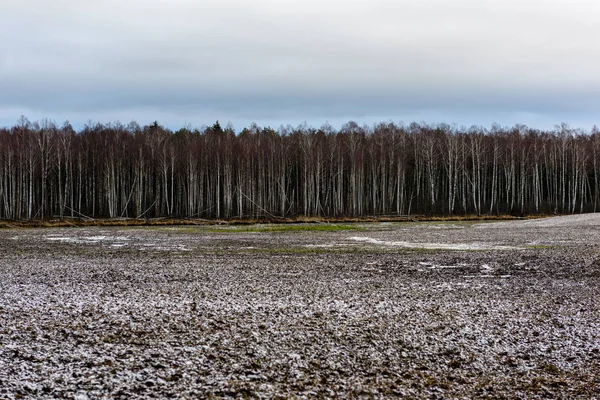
[{"x": 130, "y": 171}]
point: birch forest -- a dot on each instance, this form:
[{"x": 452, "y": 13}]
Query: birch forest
[{"x": 130, "y": 171}]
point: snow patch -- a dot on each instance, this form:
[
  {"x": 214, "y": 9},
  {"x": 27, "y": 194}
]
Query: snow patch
[
  {"x": 85, "y": 239},
  {"x": 432, "y": 246},
  {"x": 326, "y": 245},
  {"x": 163, "y": 247}
]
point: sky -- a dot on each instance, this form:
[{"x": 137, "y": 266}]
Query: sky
[{"x": 273, "y": 62}]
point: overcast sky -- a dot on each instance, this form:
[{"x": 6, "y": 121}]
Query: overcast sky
[{"x": 288, "y": 61}]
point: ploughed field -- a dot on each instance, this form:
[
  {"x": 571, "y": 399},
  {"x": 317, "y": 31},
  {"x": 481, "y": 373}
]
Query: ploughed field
[{"x": 447, "y": 310}]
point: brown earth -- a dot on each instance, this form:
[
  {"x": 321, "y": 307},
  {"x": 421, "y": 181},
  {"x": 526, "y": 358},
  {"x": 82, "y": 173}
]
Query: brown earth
[{"x": 370, "y": 310}]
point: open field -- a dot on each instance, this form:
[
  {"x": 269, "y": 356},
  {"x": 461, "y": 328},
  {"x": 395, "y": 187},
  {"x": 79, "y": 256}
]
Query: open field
[{"x": 419, "y": 309}]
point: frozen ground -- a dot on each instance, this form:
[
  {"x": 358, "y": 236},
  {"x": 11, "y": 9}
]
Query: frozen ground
[{"x": 446, "y": 310}]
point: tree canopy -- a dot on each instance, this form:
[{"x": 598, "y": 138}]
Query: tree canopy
[{"x": 116, "y": 170}]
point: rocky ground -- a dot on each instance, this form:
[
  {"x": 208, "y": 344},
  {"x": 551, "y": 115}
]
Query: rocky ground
[{"x": 418, "y": 310}]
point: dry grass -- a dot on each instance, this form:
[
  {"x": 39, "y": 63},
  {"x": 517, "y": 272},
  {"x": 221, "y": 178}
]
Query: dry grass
[{"x": 57, "y": 223}]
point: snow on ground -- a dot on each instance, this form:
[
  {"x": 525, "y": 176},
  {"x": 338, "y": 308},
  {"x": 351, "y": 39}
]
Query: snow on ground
[
  {"x": 117, "y": 241},
  {"x": 265, "y": 315},
  {"x": 432, "y": 246},
  {"x": 563, "y": 221}
]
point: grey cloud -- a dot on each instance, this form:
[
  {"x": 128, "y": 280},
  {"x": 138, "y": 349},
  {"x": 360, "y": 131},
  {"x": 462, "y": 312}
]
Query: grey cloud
[{"x": 272, "y": 60}]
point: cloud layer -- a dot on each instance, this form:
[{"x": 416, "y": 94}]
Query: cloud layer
[{"x": 462, "y": 61}]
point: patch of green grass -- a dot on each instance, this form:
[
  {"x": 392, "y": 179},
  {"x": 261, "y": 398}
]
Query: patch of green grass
[
  {"x": 284, "y": 228},
  {"x": 256, "y": 228}
]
